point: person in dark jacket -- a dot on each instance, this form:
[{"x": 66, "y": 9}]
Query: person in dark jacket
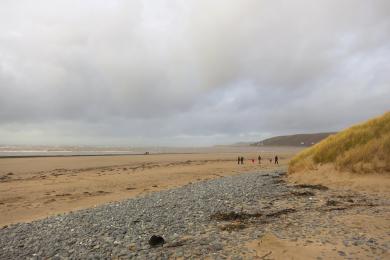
[
  {"x": 259, "y": 159},
  {"x": 238, "y": 160},
  {"x": 276, "y": 159},
  {"x": 242, "y": 160}
]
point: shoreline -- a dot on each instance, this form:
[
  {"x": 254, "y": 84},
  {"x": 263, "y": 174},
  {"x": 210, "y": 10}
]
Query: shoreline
[
  {"x": 84, "y": 155},
  {"x": 176, "y": 151}
]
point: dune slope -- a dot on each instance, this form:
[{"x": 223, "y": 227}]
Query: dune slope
[{"x": 363, "y": 148}]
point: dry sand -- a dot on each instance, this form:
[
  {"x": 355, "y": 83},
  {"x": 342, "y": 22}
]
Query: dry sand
[
  {"x": 270, "y": 246},
  {"x": 327, "y": 175},
  {"x": 371, "y": 225},
  {"x": 34, "y": 188}
]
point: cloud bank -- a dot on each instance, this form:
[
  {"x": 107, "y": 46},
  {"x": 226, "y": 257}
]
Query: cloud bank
[{"x": 189, "y": 72}]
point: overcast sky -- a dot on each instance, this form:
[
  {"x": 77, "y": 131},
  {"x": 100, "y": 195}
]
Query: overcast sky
[{"x": 189, "y": 73}]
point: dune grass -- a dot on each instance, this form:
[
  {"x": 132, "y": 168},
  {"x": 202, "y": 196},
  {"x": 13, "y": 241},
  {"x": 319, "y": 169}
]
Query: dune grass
[{"x": 361, "y": 148}]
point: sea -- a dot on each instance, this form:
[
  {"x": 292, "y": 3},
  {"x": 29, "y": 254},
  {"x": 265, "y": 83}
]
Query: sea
[
  {"x": 38, "y": 151},
  {"x": 43, "y": 151}
]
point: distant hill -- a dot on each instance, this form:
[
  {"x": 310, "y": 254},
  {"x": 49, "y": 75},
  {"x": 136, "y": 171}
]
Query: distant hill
[
  {"x": 293, "y": 140},
  {"x": 360, "y": 148}
]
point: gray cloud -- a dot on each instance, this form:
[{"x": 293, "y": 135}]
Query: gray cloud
[{"x": 189, "y": 72}]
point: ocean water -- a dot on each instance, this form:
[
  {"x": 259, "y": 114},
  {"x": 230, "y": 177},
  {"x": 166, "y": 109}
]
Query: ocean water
[{"x": 31, "y": 151}]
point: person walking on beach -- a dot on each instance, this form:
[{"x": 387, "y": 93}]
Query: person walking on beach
[
  {"x": 259, "y": 158},
  {"x": 242, "y": 160},
  {"x": 276, "y": 159}
]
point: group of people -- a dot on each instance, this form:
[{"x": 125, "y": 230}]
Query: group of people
[{"x": 240, "y": 160}]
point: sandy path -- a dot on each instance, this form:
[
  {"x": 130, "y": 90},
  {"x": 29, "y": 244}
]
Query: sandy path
[{"x": 33, "y": 188}]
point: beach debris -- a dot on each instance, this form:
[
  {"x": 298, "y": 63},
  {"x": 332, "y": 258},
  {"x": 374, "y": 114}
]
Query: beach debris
[
  {"x": 313, "y": 187},
  {"x": 264, "y": 256},
  {"x": 279, "y": 181},
  {"x": 303, "y": 193},
  {"x": 281, "y": 212},
  {"x": 233, "y": 226},
  {"x": 4, "y": 177},
  {"x": 155, "y": 241},
  {"x": 332, "y": 203},
  {"x": 230, "y": 216}
]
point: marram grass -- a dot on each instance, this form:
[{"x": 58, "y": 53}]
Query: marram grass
[{"x": 361, "y": 148}]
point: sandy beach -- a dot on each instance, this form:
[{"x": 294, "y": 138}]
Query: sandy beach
[
  {"x": 254, "y": 211},
  {"x": 34, "y": 188}
]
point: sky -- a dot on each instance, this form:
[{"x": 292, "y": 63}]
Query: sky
[{"x": 189, "y": 73}]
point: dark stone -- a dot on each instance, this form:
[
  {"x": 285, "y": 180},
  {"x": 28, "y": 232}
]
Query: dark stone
[
  {"x": 332, "y": 203},
  {"x": 156, "y": 241},
  {"x": 341, "y": 253}
]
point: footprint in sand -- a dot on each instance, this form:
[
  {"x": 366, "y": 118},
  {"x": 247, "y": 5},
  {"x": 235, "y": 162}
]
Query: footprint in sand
[
  {"x": 101, "y": 192},
  {"x": 63, "y": 195},
  {"x": 97, "y": 193},
  {"x": 49, "y": 201},
  {"x": 4, "y": 178}
]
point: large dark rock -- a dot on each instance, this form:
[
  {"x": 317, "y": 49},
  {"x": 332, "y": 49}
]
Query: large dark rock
[{"x": 156, "y": 241}]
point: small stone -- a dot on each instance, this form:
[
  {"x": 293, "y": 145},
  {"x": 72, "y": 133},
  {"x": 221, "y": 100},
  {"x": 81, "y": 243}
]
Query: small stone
[
  {"x": 341, "y": 253},
  {"x": 216, "y": 247}
]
